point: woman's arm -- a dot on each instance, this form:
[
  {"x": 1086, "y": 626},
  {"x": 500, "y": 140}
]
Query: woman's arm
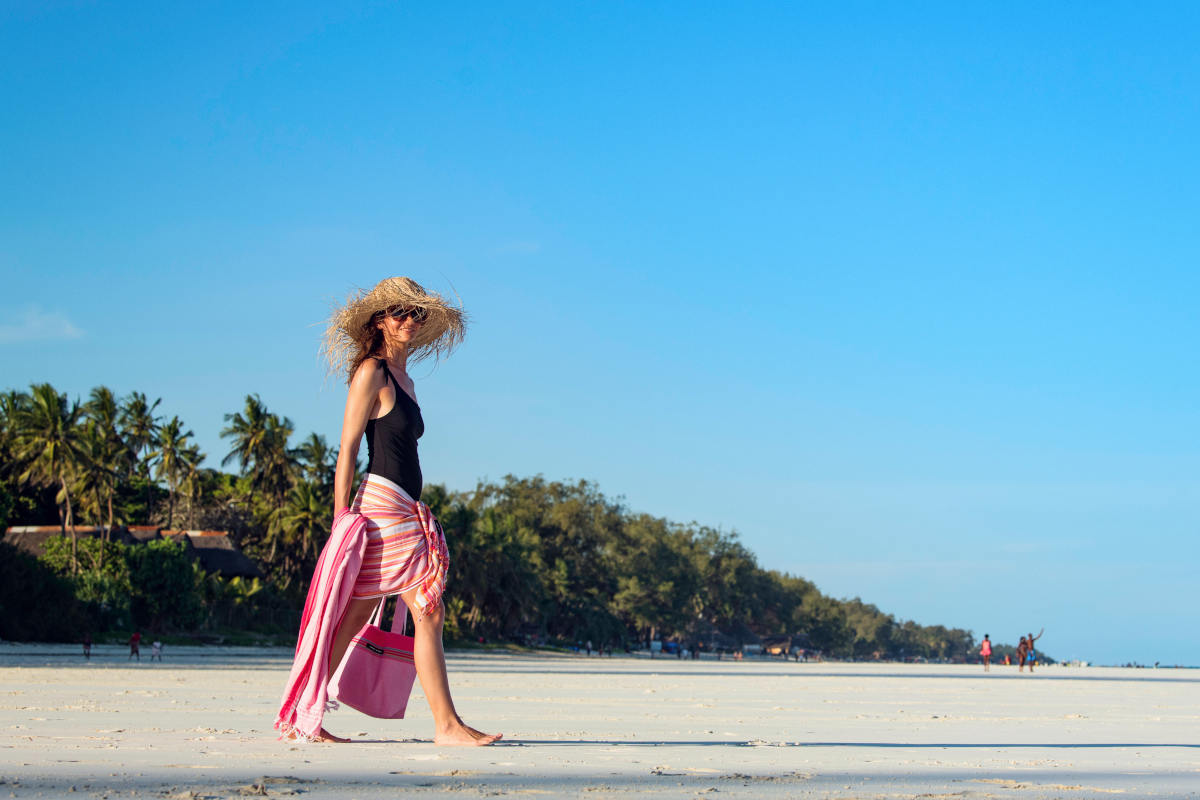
[{"x": 360, "y": 402}]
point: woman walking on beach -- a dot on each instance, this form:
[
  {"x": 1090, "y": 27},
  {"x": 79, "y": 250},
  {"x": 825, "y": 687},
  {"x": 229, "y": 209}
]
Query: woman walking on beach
[
  {"x": 985, "y": 652},
  {"x": 401, "y": 549},
  {"x": 1022, "y": 649}
]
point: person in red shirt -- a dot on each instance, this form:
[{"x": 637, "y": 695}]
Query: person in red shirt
[{"x": 134, "y": 641}]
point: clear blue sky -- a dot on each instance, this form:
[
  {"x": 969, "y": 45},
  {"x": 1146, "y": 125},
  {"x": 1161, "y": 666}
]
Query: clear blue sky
[{"x": 905, "y": 296}]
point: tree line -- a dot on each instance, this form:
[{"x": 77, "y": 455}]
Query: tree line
[{"x": 531, "y": 559}]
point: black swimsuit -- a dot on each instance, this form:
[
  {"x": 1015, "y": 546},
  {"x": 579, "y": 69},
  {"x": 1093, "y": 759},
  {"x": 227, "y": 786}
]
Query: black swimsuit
[{"x": 392, "y": 441}]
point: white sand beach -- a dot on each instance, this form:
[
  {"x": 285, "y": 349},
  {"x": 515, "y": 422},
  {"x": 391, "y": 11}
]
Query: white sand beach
[{"x": 198, "y": 725}]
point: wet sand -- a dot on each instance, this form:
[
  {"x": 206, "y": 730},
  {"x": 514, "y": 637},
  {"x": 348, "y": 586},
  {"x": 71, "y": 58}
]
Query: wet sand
[{"x": 198, "y": 725}]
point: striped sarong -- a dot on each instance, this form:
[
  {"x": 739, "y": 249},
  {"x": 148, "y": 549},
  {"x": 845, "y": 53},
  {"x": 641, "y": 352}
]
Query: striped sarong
[{"x": 406, "y": 548}]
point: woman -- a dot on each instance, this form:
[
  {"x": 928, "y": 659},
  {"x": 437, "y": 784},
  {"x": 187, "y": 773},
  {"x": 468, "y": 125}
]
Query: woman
[
  {"x": 985, "y": 652},
  {"x": 374, "y": 338}
]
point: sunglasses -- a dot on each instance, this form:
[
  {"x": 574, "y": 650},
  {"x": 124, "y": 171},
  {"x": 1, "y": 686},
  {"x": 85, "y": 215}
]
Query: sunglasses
[{"x": 402, "y": 313}]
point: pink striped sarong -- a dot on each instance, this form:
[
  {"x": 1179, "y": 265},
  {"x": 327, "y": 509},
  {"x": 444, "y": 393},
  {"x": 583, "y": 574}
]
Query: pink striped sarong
[{"x": 406, "y": 548}]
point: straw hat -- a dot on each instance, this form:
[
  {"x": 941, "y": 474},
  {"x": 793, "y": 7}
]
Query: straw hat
[{"x": 352, "y": 326}]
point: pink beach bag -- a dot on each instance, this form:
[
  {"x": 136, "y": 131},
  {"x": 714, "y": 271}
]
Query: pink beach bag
[{"x": 376, "y": 675}]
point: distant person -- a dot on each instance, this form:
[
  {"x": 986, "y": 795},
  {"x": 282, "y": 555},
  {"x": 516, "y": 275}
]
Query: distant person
[
  {"x": 384, "y": 541},
  {"x": 87, "y": 646},
  {"x": 1031, "y": 654},
  {"x": 156, "y": 650},
  {"x": 134, "y": 646},
  {"x": 1022, "y": 651},
  {"x": 589, "y": 647},
  {"x": 985, "y": 652},
  {"x": 1007, "y": 660}
]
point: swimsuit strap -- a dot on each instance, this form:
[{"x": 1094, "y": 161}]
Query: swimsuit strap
[{"x": 388, "y": 371}]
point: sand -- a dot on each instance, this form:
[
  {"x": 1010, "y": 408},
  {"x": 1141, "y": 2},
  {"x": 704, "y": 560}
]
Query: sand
[{"x": 198, "y": 725}]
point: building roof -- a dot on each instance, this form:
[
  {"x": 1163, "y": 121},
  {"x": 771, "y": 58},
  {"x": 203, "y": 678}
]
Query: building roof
[
  {"x": 143, "y": 533},
  {"x": 218, "y": 553},
  {"x": 32, "y": 538},
  {"x": 215, "y": 550}
]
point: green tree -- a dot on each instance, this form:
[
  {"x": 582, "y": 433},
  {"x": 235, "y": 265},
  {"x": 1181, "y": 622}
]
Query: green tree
[
  {"x": 163, "y": 586},
  {"x": 170, "y": 460},
  {"x": 102, "y": 578},
  {"x": 139, "y": 429},
  {"x": 47, "y": 443},
  {"x": 276, "y": 466},
  {"x": 658, "y": 585},
  {"x": 248, "y": 431},
  {"x": 193, "y": 479},
  {"x": 107, "y": 451},
  {"x": 317, "y": 460},
  {"x": 36, "y": 604},
  {"x": 305, "y": 522},
  {"x": 93, "y": 481}
]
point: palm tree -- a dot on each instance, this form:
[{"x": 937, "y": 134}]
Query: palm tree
[
  {"x": 88, "y": 481},
  {"x": 96, "y": 476},
  {"x": 318, "y": 460},
  {"x": 139, "y": 427},
  {"x": 170, "y": 455},
  {"x": 249, "y": 434},
  {"x": 276, "y": 468},
  {"x": 48, "y": 444},
  {"x": 110, "y": 454},
  {"x": 11, "y": 404},
  {"x": 190, "y": 458},
  {"x": 305, "y": 520}
]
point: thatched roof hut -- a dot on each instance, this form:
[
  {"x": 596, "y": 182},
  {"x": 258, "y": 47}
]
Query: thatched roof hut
[
  {"x": 143, "y": 533},
  {"x": 217, "y": 553},
  {"x": 32, "y": 538},
  {"x": 215, "y": 550}
]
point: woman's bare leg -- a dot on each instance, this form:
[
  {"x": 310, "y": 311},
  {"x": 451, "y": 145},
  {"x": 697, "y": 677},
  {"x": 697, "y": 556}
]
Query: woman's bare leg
[
  {"x": 430, "y": 659},
  {"x": 356, "y": 615}
]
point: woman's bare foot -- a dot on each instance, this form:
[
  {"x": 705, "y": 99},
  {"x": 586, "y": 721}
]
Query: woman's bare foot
[
  {"x": 323, "y": 736},
  {"x": 460, "y": 734},
  {"x": 326, "y": 736}
]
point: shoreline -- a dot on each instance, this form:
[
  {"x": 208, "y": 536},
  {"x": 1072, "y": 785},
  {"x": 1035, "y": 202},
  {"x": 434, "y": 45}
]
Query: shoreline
[{"x": 67, "y": 653}]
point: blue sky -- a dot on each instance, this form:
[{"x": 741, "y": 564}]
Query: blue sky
[{"x": 905, "y": 296}]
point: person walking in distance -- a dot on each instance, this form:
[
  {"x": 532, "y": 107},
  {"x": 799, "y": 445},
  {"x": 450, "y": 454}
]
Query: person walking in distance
[
  {"x": 985, "y": 652},
  {"x": 135, "y": 646},
  {"x": 1022, "y": 649},
  {"x": 1031, "y": 654},
  {"x": 400, "y": 548}
]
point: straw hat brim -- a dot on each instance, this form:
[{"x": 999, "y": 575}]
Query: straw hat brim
[{"x": 352, "y": 325}]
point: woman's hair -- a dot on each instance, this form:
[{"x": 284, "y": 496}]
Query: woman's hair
[{"x": 367, "y": 346}]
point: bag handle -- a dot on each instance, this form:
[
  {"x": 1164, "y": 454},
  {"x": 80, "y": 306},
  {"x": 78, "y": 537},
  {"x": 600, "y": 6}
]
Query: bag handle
[{"x": 399, "y": 619}]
